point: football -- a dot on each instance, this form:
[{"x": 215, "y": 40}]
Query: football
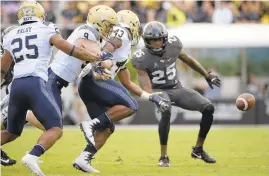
[{"x": 245, "y": 102}]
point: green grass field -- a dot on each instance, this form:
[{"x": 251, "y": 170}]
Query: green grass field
[{"x": 135, "y": 152}]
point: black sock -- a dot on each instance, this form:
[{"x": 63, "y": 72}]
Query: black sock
[
  {"x": 164, "y": 127},
  {"x": 103, "y": 121},
  {"x": 38, "y": 150},
  {"x": 91, "y": 149},
  {"x": 206, "y": 121}
]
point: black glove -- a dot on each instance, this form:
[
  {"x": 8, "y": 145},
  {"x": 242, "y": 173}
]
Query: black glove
[
  {"x": 106, "y": 55},
  {"x": 213, "y": 79},
  {"x": 161, "y": 103}
]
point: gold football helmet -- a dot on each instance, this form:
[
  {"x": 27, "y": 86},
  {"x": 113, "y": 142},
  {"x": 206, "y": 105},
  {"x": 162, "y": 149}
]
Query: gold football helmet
[
  {"x": 130, "y": 20},
  {"x": 30, "y": 11},
  {"x": 103, "y": 18}
]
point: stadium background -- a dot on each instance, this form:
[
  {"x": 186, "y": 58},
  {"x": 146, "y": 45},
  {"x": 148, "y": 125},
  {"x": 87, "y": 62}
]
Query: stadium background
[
  {"x": 242, "y": 63},
  {"x": 230, "y": 38}
]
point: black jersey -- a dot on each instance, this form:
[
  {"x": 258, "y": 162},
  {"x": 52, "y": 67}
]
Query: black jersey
[{"x": 161, "y": 69}]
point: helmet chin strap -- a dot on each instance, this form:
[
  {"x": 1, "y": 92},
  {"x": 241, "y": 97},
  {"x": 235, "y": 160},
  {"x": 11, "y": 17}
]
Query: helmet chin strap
[{"x": 28, "y": 19}]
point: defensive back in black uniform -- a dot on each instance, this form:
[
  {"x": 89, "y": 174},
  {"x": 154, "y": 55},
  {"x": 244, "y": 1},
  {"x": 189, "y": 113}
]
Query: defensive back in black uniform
[{"x": 156, "y": 68}]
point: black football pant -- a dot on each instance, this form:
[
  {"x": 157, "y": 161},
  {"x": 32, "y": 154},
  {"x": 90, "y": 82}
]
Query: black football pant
[{"x": 190, "y": 100}]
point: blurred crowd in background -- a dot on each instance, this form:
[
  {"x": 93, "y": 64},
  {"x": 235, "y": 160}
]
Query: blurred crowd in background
[{"x": 173, "y": 13}]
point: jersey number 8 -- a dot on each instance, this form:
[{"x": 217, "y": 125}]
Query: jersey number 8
[{"x": 32, "y": 47}]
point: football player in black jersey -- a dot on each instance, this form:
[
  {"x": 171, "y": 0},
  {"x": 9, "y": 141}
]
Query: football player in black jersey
[{"x": 156, "y": 68}]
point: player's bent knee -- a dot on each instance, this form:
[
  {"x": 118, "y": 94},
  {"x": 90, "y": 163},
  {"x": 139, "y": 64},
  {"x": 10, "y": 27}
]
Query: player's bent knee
[
  {"x": 11, "y": 136},
  {"x": 57, "y": 132},
  {"x": 209, "y": 109}
]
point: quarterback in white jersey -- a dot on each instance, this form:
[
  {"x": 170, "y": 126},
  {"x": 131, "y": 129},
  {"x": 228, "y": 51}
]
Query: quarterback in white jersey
[
  {"x": 98, "y": 96},
  {"x": 29, "y": 45}
]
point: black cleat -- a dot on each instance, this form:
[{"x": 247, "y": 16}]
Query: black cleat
[
  {"x": 5, "y": 160},
  {"x": 199, "y": 153},
  {"x": 164, "y": 161}
]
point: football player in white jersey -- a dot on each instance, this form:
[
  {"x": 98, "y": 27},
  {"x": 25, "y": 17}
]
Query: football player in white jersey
[
  {"x": 29, "y": 45},
  {"x": 65, "y": 68},
  {"x": 98, "y": 96}
]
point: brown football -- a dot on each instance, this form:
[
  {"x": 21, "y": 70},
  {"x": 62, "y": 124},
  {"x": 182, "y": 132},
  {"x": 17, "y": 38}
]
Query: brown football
[{"x": 245, "y": 102}]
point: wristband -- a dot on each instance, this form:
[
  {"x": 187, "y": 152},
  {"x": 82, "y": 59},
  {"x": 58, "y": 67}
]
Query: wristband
[
  {"x": 145, "y": 95},
  {"x": 71, "y": 52}
]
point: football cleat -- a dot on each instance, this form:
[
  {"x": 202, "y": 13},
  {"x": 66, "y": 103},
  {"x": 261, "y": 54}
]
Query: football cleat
[
  {"x": 87, "y": 127},
  {"x": 164, "y": 161},
  {"x": 6, "y": 160},
  {"x": 199, "y": 153},
  {"x": 31, "y": 162},
  {"x": 83, "y": 163}
]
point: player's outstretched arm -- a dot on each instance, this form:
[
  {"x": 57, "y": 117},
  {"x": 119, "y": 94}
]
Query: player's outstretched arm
[
  {"x": 6, "y": 61},
  {"x": 144, "y": 81},
  {"x": 125, "y": 79},
  {"x": 72, "y": 50},
  {"x": 193, "y": 63},
  {"x": 112, "y": 44}
]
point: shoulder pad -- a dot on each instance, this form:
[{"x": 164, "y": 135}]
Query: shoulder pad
[
  {"x": 47, "y": 23},
  {"x": 7, "y": 30},
  {"x": 92, "y": 30},
  {"x": 175, "y": 43},
  {"x": 51, "y": 25},
  {"x": 139, "y": 55},
  {"x": 119, "y": 32}
]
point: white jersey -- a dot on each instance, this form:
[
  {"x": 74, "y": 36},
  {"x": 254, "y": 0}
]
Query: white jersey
[
  {"x": 30, "y": 48},
  {"x": 122, "y": 54},
  {"x": 68, "y": 67}
]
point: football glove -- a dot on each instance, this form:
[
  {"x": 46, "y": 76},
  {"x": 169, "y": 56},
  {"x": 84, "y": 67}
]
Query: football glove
[
  {"x": 213, "y": 80},
  {"x": 105, "y": 55},
  {"x": 100, "y": 73},
  {"x": 161, "y": 103}
]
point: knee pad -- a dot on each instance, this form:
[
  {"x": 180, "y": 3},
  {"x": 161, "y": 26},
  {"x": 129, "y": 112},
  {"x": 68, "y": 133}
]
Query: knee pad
[
  {"x": 166, "y": 114},
  {"x": 208, "y": 109}
]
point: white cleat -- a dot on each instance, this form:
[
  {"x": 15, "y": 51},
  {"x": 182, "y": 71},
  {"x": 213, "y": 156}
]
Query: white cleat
[
  {"x": 31, "y": 162},
  {"x": 87, "y": 127},
  {"x": 83, "y": 163}
]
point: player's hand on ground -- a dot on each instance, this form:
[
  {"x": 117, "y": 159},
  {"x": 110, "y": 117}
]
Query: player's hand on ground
[
  {"x": 105, "y": 55},
  {"x": 100, "y": 73},
  {"x": 213, "y": 80},
  {"x": 162, "y": 104}
]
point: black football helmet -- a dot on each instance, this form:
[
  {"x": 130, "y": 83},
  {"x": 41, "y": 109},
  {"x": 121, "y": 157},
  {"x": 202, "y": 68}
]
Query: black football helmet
[{"x": 155, "y": 31}]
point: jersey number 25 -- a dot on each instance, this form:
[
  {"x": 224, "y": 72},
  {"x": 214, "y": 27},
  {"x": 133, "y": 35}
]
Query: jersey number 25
[
  {"x": 159, "y": 74},
  {"x": 25, "y": 42}
]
